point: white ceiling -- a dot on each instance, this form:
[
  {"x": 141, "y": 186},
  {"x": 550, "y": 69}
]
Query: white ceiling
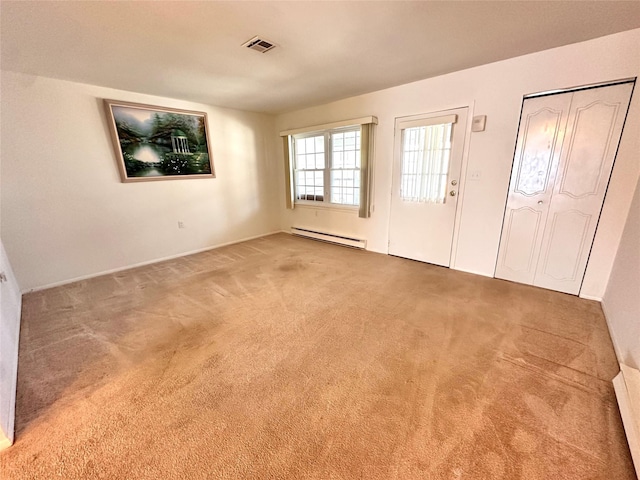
[{"x": 326, "y": 50}]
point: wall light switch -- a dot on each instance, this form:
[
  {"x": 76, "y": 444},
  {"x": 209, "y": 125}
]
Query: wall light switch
[{"x": 478, "y": 124}]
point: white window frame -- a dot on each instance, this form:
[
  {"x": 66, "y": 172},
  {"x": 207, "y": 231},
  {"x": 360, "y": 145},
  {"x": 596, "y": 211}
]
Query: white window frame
[{"x": 328, "y": 166}]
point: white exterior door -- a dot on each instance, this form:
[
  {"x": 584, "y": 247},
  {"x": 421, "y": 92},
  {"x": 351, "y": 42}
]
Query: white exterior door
[
  {"x": 564, "y": 155},
  {"x": 426, "y": 175}
]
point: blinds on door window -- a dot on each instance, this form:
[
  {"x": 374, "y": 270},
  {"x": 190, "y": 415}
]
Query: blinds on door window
[{"x": 426, "y": 151}]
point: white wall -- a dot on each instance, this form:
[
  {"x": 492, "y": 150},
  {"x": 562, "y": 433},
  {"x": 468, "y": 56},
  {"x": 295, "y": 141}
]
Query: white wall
[
  {"x": 10, "y": 305},
  {"x": 621, "y": 301},
  {"x": 65, "y": 213},
  {"x": 495, "y": 90}
]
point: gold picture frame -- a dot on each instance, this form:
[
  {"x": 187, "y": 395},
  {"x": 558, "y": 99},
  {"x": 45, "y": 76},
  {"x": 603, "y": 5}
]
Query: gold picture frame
[{"x": 159, "y": 143}]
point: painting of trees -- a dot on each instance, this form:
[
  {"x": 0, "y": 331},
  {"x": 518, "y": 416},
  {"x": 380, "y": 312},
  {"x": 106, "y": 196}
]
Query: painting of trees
[{"x": 156, "y": 142}]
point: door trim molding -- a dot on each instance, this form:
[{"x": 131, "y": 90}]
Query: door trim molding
[{"x": 578, "y": 88}]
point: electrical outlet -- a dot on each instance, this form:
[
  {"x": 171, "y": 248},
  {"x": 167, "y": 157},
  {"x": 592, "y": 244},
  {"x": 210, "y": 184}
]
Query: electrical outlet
[
  {"x": 475, "y": 175},
  {"x": 180, "y": 224}
]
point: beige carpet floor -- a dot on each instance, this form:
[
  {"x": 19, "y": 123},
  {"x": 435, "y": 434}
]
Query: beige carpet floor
[{"x": 285, "y": 358}]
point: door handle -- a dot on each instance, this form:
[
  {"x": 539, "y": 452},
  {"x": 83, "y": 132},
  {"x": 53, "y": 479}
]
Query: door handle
[
  {"x": 540, "y": 202},
  {"x": 452, "y": 193}
]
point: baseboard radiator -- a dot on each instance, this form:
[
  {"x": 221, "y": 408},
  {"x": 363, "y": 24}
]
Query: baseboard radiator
[
  {"x": 329, "y": 237},
  {"x": 627, "y": 386}
]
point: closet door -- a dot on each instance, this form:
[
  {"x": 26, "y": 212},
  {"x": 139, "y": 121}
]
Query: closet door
[
  {"x": 564, "y": 155},
  {"x": 542, "y": 126},
  {"x": 591, "y": 142}
]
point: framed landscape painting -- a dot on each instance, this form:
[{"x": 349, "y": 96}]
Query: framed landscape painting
[{"x": 157, "y": 143}]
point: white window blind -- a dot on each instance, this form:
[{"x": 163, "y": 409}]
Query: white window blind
[
  {"x": 345, "y": 167},
  {"x": 327, "y": 166},
  {"x": 426, "y": 151},
  {"x": 309, "y": 167}
]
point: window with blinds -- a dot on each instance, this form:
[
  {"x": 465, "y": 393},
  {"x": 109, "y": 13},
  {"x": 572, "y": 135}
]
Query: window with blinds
[
  {"x": 426, "y": 151},
  {"x": 345, "y": 167},
  {"x": 309, "y": 167},
  {"x": 327, "y": 166},
  {"x": 330, "y": 165}
]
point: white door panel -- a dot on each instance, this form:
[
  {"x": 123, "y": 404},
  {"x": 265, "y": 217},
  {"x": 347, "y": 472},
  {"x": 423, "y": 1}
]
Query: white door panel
[
  {"x": 522, "y": 227},
  {"x": 421, "y": 222},
  {"x": 564, "y": 155},
  {"x": 536, "y": 158},
  {"x": 593, "y": 133}
]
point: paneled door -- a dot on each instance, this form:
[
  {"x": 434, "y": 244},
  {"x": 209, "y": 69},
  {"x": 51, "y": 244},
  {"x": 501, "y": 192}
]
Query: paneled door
[
  {"x": 542, "y": 125},
  {"x": 426, "y": 175},
  {"x": 563, "y": 160}
]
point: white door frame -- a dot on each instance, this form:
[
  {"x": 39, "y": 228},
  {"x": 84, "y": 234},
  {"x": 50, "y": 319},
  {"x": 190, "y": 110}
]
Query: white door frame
[{"x": 463, "y": 183}]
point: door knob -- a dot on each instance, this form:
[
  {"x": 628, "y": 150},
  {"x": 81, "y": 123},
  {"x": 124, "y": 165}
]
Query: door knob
[
  {"x": 540, "y": 202},
  {"x": 454, "y": 182},
  {"x": 452, "y": 193}
]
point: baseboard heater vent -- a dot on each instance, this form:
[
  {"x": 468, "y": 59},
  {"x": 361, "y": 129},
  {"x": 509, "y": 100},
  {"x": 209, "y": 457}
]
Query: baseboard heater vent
[
  {"x": 627, "y": 387},
  {"x": 329, "y": 237}
]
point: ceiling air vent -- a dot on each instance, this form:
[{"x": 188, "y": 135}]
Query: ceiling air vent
[{"x": 259, "y": 44}]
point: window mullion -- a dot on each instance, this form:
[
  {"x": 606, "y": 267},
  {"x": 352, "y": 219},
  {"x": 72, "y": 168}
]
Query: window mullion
[
  {"x": 327, "y": 167},
  {"x": 294, "y": 157}
]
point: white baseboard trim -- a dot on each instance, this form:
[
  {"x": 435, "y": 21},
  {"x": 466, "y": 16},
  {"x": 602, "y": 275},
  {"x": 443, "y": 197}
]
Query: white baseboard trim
[
  {"x": 474, "y": 272},
  {"x": 627, "y": 387},
  {"x": 4, "y": 442},
  {"x": 616, "y": 348},
  {"x": 591, "y": 297},
  {"x": 148, "y": 262}
]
